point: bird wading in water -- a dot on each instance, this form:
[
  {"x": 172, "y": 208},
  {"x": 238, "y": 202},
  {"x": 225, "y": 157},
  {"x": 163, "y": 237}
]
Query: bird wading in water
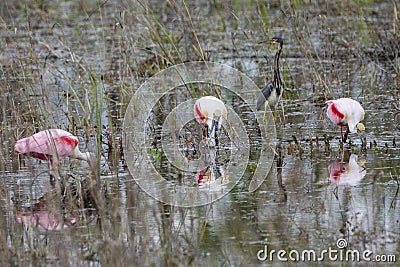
[
  {"x": 52, "y": 145},
  {"x": 210, "y": 112},
  {"x": 272, "y": 92},
  {"x": 346, "y": 112}
]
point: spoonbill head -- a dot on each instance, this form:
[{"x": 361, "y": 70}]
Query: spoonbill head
[
  {"x": 346, "y": 112},
  {"x": 210, "y": 112},
  {"x": 52, "y": 145}
]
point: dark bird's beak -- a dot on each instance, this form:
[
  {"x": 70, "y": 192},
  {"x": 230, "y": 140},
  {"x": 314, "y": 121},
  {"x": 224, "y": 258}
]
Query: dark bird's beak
[
  {"x": 271, "y": 41},
  {"x": 265, "y": 41}
]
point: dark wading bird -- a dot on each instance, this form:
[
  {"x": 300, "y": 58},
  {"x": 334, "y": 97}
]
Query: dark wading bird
[{"x": 272, "y": 92}]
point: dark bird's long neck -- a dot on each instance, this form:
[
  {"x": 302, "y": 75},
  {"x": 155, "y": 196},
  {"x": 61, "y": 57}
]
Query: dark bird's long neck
[{"x": 277, "y": 82}]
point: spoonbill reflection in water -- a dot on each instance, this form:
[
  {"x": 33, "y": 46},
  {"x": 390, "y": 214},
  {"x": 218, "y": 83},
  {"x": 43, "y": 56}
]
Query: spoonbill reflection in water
[
  {"x": 347, "y": 173},
  {"x": 212, "y": 174}
]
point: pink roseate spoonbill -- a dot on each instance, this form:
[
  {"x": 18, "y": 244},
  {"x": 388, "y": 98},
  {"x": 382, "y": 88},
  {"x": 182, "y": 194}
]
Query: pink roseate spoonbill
[
  {"x": 52, "y": 145},
  {"x": 346, "y": 112},
  {"x": 272, "y": 92},
  {"x": 209, "y": 111}
]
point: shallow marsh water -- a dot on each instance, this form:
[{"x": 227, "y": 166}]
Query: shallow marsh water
[{"x": 75, "y": 65}]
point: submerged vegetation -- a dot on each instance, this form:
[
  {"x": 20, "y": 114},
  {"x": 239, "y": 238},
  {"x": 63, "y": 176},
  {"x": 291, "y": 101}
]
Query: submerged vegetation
[{"x": 75, "y": 65}]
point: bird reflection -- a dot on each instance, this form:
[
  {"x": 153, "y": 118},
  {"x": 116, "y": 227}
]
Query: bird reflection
[
  {"x": 44, "y": 218},
  {"x": 211, "y": 171},
  {"x": 212, "y": 175},
  {"x": 58, "y": 209},
  {"x": 347, "y": 173}
]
